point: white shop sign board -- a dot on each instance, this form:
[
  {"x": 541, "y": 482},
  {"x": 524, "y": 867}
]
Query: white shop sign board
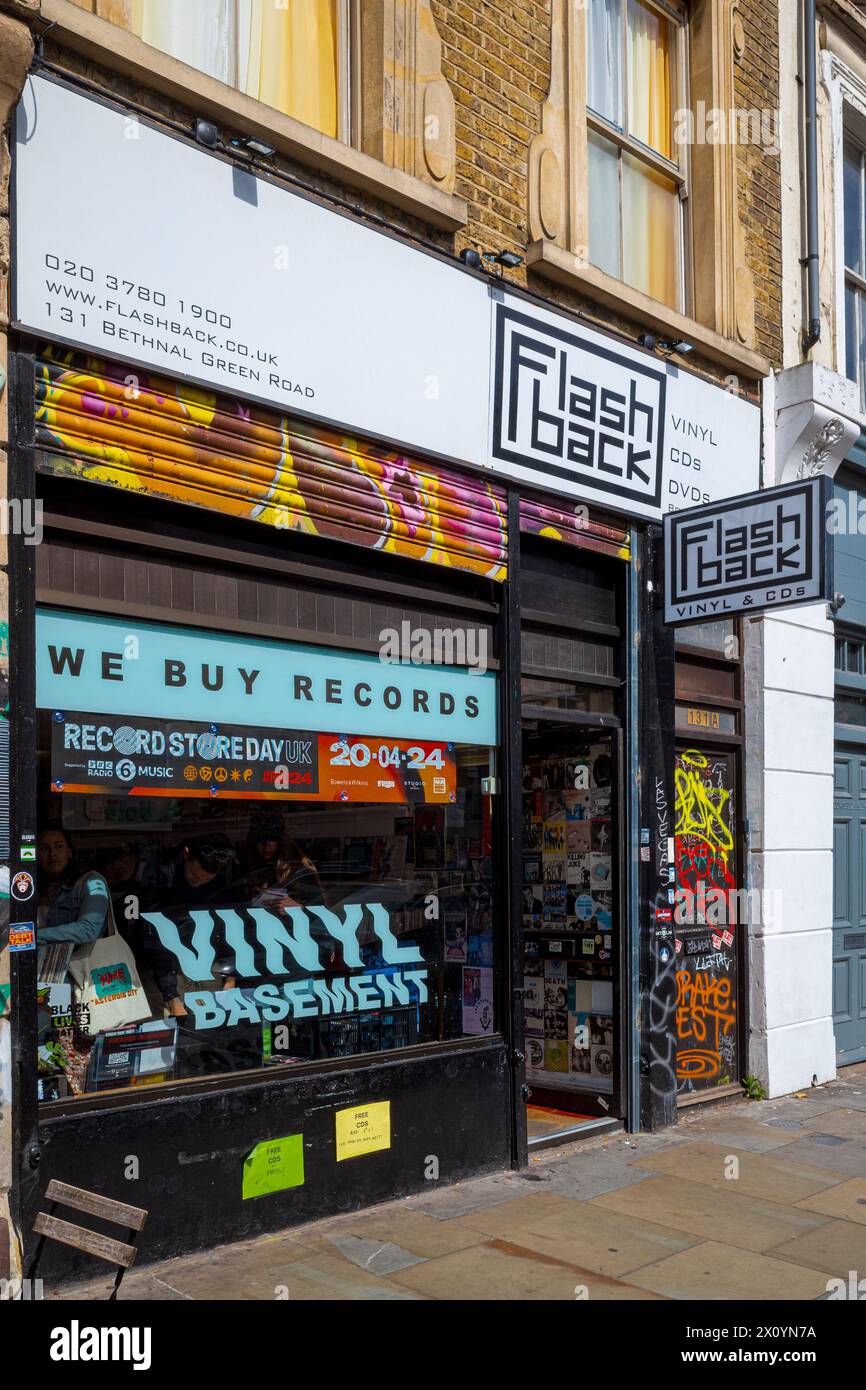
[{"x": 141, "y": 246}]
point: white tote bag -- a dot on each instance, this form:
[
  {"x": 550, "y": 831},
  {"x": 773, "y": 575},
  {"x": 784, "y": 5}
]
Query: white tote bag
[{"x": 108, "y": 992}]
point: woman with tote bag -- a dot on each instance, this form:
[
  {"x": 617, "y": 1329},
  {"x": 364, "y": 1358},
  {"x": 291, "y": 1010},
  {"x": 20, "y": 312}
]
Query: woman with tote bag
[{"x": 76, "y": 907}]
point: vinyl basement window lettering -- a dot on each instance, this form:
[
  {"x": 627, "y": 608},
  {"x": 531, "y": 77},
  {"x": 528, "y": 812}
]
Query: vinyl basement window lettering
[{"x": 280, "y": 896}]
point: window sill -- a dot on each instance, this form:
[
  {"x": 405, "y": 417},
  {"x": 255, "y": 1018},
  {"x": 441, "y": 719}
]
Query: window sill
[
  {"x": 123, "y": 52},
  {"x": 562, "y": 267}
]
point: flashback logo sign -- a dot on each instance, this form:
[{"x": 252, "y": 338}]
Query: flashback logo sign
[
  {"x": 765, "y": 550},
  {"x": 573, "y": 408}
]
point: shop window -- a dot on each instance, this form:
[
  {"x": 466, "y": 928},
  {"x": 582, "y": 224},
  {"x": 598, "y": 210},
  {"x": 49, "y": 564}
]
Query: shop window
[
  {"x": 636, "y": 180},
  {"x": 295, "y": 845}
]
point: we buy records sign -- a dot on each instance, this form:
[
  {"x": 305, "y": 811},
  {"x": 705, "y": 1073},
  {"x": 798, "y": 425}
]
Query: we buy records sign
[{"x": 140, "y": 756}]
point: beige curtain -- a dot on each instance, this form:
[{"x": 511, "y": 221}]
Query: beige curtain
[
  {"x": 195, "y": 32},
  {"x": 292, "y": 59},
  {"x": 284, "y": 52},
  {"x": 651, "y": 215},
  {"x": 650, "y": 40},
  {"x": 651, "y": 232}
]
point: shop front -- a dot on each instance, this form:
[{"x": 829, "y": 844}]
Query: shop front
[{"x": 352, "y": 709}]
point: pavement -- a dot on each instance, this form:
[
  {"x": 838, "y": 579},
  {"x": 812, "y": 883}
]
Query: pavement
[{"x": 739, "y": 1200}]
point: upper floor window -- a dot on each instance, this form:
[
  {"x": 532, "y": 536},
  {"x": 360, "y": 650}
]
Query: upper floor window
[
  {"x": 635, "y": 61},
  {"x": 291, "y": 54},
  {"x": 855, "y": 266}
]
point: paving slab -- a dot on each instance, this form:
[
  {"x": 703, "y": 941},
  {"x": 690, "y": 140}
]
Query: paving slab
[
  {"x": 376, "y": 1256},
  {"x": 847, "y": 1200},
  {"x": 589, "y": 1175},
  {"x": 141, "y": 1286},
  {"x": 502, "y": 1271},
  {"x": 446, "y": 1203},
  {"x": 842, "y": 1156},
  {"x": 580, "y": 1233},
  {"x": 715, "y": 1271},
  {"x": 847, "y": 1124},
  {"x": 847, "y": 1097},
  {"x": 835, "y": 1247},
  {"x": 758, "y": 1175},
  {"x": 261, "y": 1262},
  {"x": 413, "y": 1231},
  {"x": 320, "y": 1278},
  {"x": 755, "y": 1135},
  {"x": 751, "y": 1223},
  {"x": 797, "y": 1106}
]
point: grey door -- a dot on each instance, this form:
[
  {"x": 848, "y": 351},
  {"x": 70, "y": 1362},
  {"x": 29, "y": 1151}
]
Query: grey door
[{"x": 849, "y": 904}]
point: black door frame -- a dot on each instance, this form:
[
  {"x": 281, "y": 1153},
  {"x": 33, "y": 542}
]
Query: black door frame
[{"x": 584, "y": 722}]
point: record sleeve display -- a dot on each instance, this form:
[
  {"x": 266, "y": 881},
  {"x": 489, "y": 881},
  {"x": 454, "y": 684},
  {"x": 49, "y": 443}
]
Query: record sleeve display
[{"x": 569, "y": 918}]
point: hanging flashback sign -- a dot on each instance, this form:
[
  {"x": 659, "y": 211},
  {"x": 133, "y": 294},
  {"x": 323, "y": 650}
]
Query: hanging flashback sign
[{"x": 765, "y": 550}]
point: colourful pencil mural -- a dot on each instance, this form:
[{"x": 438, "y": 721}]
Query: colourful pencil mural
[
  {"x": 132, "y": 429},
  {"x": 103, "y": 422}
]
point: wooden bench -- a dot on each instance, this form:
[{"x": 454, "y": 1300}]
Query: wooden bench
[{"x": 118, "y": 1252}]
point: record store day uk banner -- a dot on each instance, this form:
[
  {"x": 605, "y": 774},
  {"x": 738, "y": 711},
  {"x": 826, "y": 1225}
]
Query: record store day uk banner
[{"x": 101, "y": 754}]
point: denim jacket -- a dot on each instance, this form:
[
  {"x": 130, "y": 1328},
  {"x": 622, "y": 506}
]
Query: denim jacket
[{"x": 79, "y": 912}]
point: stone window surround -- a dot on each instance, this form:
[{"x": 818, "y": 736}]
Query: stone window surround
[
  {"x": 722, "y": 324},
  {"x": 847, "y": 96},
  {"x": 406, "y": 170}
]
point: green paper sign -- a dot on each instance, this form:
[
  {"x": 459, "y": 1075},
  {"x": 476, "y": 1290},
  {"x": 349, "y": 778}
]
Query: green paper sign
[{"x": 274, "y": 1166}]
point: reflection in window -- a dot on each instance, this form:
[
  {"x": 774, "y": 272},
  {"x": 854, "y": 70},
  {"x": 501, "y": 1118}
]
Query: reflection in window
[
  {"x": 259, "y": 932},
  {"x": 719, "y": 636},
  {"x": 635, "y": 182},
  {"x": 288, "y": 55}
]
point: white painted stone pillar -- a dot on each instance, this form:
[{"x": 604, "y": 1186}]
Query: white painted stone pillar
[
  {"x": 810, "y": 423},
  {"x": 791, "y": 863}
]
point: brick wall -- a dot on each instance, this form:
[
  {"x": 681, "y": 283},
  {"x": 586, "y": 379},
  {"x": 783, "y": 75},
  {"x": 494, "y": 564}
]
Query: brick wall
[
  {"x": 760, "y": 191},
  {"x": 497, "y": 60}
]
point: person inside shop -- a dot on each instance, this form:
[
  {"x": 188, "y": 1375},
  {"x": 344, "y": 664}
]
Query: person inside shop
[
  {"x": 122, "y": 868},
  {"x": 73, "y": 904},
  {"x": 279, "y": 873},
  {"x": 202, "y": 876},
  {"x": 262, "y": 850},
  {"x": 124, "y": 872}
]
